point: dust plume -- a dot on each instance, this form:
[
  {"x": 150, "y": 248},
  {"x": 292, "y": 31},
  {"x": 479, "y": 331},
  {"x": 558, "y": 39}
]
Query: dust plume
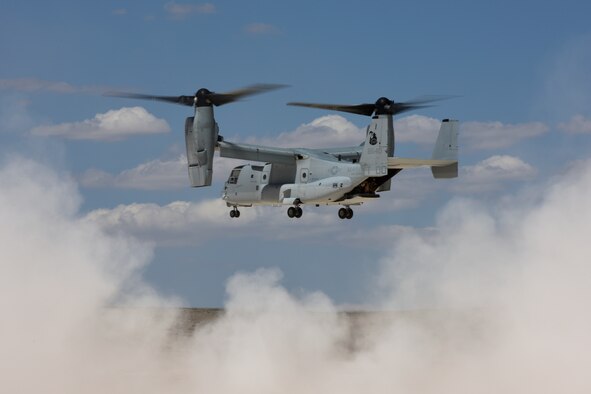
[{"x": 498, "y": 299}]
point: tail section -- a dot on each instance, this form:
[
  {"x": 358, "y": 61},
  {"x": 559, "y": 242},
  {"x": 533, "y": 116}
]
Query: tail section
[
  {"x": 444, "y": 162},
  {"x": 446, "y": 148}
]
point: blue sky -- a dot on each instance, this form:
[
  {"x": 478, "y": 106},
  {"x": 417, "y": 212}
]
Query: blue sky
[{"x": 520, "y": 69}]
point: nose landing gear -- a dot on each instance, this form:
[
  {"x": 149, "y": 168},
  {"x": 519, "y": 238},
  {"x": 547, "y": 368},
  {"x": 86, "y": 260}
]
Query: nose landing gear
[
  {"x": 295, "y": 212},
  {"x": 235, "y": 213},
  {"x": 345, "y": 213}
]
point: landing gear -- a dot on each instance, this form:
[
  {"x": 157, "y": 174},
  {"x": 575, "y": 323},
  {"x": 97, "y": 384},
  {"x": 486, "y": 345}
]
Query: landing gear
[
  {"x": 235, "y": 213},
  {"x": 295, "y": 212},
  {"x": 345, "y": 213}
]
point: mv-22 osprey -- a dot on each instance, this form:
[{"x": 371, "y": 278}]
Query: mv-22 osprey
[{"x": 303, "y": 176}]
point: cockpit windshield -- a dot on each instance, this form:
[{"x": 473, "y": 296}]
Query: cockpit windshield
[{"x": 234, "y": 176}]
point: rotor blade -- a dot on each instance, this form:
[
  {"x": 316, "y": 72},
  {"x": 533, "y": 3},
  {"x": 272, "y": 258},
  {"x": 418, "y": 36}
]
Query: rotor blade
[
  {"x": 398, "y": 108},
  {"x": 417, "y": 103},
  {"x": 429, "y": 99},
  {"x": 183, "y": 100},
  {"x": 360, "y": 109},
  {"x": 225, "y": 98}
]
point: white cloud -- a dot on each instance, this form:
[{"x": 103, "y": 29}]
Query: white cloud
[
  {"x": 176, "y": 217},
  {"x": 159, "y": 174},
  {"x": 153, "y": 175},
  {"x": 183, "y": 10},
  {"x": 578, "y": 124},
  {"x": 120, "y": 11},
  {"x": 500, "y": 167},
  {"x": 261, "y": 29},
  {"x": 417, "y": 128},
  {"x": 490, "y": 174},
  {"x": 184, "y": 222},
  {"x": 496, "y": 135},
  {"x": 324, "y": 132},
  {"x": 112, "y": 125}
]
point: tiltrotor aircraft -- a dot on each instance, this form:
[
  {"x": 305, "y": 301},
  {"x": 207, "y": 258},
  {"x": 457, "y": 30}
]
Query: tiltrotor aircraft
[{"x": 301, "y": 176}]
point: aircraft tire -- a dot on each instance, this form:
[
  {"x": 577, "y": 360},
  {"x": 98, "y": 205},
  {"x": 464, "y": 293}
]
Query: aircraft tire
[
  {"x": 343, "y": 213},
  {"x": 237, "y": 214},
  {"x": 291, "y": 211},
  {"x": 349, "y": 213},
  {"x": 232, "y": 214},
  {"x": 298, "y": 212}
]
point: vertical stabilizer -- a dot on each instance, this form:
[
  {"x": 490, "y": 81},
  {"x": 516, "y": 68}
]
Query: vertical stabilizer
[{"x": 446, "y": 148}]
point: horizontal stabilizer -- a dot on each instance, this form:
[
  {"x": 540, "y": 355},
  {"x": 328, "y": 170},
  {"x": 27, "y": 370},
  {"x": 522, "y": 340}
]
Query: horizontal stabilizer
[
  {"x": 441, "y": 169},
  {"x": 401, "y": 163}
]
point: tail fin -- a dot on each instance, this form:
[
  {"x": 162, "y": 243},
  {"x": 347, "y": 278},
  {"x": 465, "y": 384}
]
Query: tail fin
[{"x": 446, "y": 148}]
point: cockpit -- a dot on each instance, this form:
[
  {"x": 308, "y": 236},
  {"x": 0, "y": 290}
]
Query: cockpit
[{"x": 233, "y": 179}]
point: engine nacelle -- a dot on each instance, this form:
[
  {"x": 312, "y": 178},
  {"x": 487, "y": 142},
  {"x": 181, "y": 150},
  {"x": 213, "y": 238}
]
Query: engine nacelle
[
  {"x": 324, "y": 189},
  {"x": 201, "y": 134}
]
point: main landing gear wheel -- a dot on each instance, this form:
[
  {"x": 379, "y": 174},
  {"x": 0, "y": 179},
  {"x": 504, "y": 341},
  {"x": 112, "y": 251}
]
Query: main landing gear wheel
[
  {"x": 295, "y": 212},
  {"x": 345, "y": 213},
  {"x": 235, "y": 213}
]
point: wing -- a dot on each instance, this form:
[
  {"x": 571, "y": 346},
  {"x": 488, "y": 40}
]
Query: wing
[
  {"x": 265, "y": 154},
  {"x": 352, "y": 153}
]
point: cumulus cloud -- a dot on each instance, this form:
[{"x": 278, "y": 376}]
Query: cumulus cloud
[
  {"x": 490, "y": 173},
  {"x": 326, "y": 131},
  {"x": 153, "y": 175},
  {"x": 183, "y": 10},
  {"x": 174, "y": 218},
  {"x": 185, "y": 222},
  {"x": 500, "y": 167},
  {"x": 506, "y": 289},
  {"x": 417, "y": 128},
  {"x": 112, "y": 125},
  {"x": 578, "y": 124},
  {"x": 159, "y": 174},
  {"x": 496, "y": 135}
]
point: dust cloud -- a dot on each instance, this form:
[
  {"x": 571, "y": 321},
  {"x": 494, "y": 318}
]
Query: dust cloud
[{"x": 499, "y": 300}]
